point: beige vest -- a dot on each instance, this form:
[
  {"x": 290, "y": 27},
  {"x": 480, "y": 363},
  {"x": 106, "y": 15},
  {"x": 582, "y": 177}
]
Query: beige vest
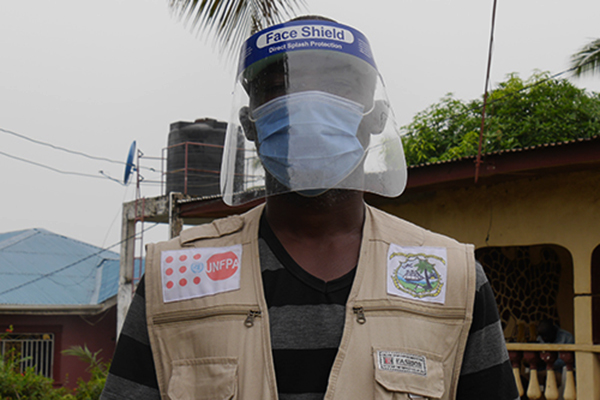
[{"x": 218, "y": 346}]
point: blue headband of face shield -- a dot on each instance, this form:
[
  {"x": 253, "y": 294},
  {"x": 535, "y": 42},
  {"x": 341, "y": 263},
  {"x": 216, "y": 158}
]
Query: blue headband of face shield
[{"x": 299, "y": 36}]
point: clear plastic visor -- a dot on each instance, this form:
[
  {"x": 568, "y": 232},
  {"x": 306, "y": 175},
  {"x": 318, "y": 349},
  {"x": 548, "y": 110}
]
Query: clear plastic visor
[{"x": 309, "y": 121}]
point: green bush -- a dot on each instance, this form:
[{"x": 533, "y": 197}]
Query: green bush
[
  {"x": 519, "y": 114},
  {"x": 17, "y": 384},
  {"x": 91, "y": 389},
  {"x": 26, "y": 385}
]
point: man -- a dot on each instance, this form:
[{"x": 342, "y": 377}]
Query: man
[
  {"x": 315, "y": 295},
  {"x": 549, "y": 332}
]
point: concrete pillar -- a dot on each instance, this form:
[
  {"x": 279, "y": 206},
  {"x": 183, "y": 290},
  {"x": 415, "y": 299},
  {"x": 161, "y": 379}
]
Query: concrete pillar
[
  {"x": 587, "y": 365},
  {"x": 126, "y": 264}
]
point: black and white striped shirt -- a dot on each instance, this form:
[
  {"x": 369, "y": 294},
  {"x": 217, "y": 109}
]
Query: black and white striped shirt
[{"x": 307, "y": 319}]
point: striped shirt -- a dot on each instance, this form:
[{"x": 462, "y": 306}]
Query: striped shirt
[{"x": 307, "y": 319}]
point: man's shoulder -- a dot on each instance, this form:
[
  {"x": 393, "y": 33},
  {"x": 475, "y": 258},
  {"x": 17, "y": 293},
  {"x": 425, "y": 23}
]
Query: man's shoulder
[
  {"x": 218, "y": 228},
  {"x": 563, "y": 336},
  {"x": 393, "y": 226}
]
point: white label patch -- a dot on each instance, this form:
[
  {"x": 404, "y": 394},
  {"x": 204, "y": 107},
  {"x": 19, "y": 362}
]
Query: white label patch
[
  {"x": 199, "y": 272},
  {"x": 401, "y": 362},
  {"x": 417, "y": 273}
]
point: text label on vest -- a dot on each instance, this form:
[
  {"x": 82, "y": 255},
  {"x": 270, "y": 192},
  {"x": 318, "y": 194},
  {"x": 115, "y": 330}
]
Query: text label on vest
[{"x": 402, "y": 362}]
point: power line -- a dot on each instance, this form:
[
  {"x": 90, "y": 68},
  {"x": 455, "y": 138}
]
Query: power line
[
  {"x": 52, "y": 168},
  {"x": 102, "y": 174},
  {"x": 42, "y": 276},
  {"x": 531, "y": 85},
  {"x": 508, "y": 94},
  {"x": 79, "y": 153}
]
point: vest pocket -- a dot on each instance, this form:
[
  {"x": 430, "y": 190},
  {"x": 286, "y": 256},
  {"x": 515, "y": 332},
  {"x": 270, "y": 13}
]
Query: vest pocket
[
  {"x": 405, "y": 374},
  {"x": 211, "y": 378}
]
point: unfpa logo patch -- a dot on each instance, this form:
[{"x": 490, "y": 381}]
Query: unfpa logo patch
[
  {"x": 185, "y": 275},
  {"x": 417, "y": 273}
]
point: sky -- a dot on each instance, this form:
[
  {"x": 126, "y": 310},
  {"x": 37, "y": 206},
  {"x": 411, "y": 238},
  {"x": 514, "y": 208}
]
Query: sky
[{"x": 93, "y": 76}]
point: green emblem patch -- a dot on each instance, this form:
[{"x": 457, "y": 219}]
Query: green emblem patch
[{"x": 416, "y": 274}]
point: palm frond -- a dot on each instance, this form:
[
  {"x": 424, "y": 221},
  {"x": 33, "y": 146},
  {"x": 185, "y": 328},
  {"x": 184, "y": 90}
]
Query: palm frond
[
  {"x": 587, "y": 60},
  {"x": 232, "y": 21}
]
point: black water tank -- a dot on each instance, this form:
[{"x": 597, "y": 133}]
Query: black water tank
[{"x": 203, "y": 141}]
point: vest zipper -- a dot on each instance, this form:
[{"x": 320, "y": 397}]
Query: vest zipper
[
  {"x": 250, "y": 312},
  {"x": 360, "y": 314},
  {"x": 360, "y": 311}
]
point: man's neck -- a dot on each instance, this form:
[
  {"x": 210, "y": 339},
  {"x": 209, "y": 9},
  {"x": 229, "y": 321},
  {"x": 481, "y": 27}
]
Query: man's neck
[
  {"x": 322, "y": 234},
  {"x": 334, "y": 211}
]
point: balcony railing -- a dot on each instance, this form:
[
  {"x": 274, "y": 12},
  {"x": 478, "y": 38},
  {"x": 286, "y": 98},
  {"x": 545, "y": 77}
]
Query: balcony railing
[{"x": 534, "y": 363}]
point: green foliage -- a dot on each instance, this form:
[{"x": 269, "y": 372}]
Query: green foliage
[
  {"x": 19, "y": 384},
  {"x": 231, "y": 20},
  {"x": 23, "y": 384},
  {"x": 519, "y": 114},
  {"x": 587, "y": 60},
  {"x": 26, "y": 385},
  {"x": 91, "y": 389}
]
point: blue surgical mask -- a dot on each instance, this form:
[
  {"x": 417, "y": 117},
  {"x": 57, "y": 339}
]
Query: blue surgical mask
[{"x": 307, "y": 140}]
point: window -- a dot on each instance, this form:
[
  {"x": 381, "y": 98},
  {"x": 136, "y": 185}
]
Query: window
[
  {"x": 36, "y": 350},
  {"x": 531, "y": 283}
]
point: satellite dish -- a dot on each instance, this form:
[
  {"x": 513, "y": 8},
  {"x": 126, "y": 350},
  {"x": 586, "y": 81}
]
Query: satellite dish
[{"x": 129, "y": 164}]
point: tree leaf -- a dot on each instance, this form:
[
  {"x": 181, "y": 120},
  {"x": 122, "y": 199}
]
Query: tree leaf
[
  {"x": 587, "y": 60},
  {"x": 232, "y": 21},
  {"x": 519, "y": 114}
]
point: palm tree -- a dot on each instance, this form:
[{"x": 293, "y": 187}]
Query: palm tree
[
  {"x": 424, "y": 267},
  {"x": 587, "y": 60},
  {"x": 231, "y": 21}
]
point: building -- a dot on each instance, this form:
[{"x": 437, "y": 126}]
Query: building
[
  {"x": 56, "y": 293},
  {"x": 533, "y": 215}
]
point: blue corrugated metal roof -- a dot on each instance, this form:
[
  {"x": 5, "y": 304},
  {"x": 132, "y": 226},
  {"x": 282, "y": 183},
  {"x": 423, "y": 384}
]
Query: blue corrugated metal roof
[
  {"x": 109, "y": 284},
  {"x": 38, "y": 267}
]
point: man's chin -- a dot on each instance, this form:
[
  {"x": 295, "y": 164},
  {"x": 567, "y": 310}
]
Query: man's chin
[
  {"x": 326, "y": 199},
  {"x": 312, "y": 192}
]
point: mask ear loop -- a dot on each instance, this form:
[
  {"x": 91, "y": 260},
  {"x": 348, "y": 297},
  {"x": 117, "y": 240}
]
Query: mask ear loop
[
  {"x": 248, "y": 120},
  {"x": 248, "y": 124},
  {"x": 375, "y": 119}
]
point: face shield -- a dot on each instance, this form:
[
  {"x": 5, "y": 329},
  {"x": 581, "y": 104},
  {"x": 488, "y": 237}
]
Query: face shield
[{"x": 310, "y": 113}]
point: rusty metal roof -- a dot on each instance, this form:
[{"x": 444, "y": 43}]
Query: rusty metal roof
[
  {"x": 497, "y": 166},
  {"x": 516, "y": 150},
  {"x": 569, "y": 156}
]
